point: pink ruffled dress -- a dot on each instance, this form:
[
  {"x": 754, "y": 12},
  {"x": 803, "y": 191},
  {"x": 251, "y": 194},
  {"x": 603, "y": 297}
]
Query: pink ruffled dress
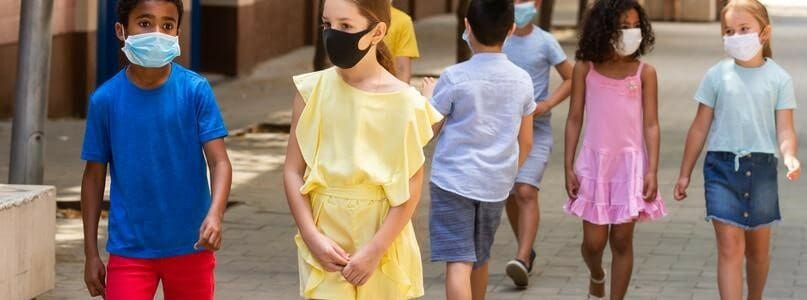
[{"x": 613, "y": 158}]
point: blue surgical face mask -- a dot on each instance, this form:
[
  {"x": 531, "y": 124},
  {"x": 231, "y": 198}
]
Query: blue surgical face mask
[
  {"x": 524, "y": 13},
  {"x": 151, "y": 50}
]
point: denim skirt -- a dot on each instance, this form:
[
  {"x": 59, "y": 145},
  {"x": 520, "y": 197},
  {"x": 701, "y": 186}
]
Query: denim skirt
[{"x": 741, "y": 191}]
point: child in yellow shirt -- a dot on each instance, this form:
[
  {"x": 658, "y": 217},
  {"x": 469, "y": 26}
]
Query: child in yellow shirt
[{"x": 402, "y": 43}]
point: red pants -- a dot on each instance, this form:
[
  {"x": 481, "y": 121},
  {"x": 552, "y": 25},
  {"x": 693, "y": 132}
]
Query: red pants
[{"x": 183, "y": 277}]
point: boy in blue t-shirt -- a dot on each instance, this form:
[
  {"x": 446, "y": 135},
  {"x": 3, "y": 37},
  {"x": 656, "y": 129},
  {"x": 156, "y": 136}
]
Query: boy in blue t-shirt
[
  {"x": 536, "y": 51},
  {"x": 154, "y": 123},
  {"x": 487, "y": 133}
]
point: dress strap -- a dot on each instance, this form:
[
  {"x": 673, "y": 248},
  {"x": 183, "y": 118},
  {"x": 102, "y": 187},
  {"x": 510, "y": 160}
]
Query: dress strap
[{"x": 639, "y": 71}]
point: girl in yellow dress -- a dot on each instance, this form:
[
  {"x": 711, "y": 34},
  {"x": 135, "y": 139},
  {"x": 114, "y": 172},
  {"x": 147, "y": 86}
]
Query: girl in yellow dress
[{"x": 354, "y": 163}]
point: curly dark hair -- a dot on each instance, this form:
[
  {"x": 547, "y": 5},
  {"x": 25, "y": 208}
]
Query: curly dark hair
[
  {"x": 601, "y": 29},
  {"x": 125, "y": 7}
]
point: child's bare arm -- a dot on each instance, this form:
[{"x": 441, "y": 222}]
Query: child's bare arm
[
  {"x": 561, "y": 93},
  {"x": 652, "y": 133},
  {"x": 574, "y": 124},
  {"x": 524, "y": 139},
  {"x": 693, "y": 147},
  {"x": 92, "y": 195},
  {"x": 403, "y": 68},
  {"x": 427, "y": 87},
  {"x": 788, "y": 142},
  {"x": 221, "y": 177},
  {"x": 365, "y": 260},
  {"x": 293, "y": 171}
]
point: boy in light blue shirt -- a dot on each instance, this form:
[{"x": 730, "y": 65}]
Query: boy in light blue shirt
[
  {"x": 486, "y": 134},
  {"x": 536, "y": 51}
]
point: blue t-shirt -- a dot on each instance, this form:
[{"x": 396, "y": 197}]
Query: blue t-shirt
[
  {"x": 745, "y": 101},
  {"x": 483, "y": 101},
  {"x": 536, "y": 53},
  {"x": 152, "y": 140}
]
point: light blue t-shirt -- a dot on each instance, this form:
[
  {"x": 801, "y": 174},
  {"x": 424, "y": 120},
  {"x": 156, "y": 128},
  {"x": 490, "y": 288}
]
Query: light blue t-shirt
[
  {"x": 536, "y": 53},
  {"x": 152, "y": 141},
  {"x": 483, "y": 101},
  {"x": 745, "y": 101}
]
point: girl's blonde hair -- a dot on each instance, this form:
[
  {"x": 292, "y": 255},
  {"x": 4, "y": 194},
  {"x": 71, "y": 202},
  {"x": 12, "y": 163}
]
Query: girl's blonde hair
[
  {"x": 378, "y": 11},
  {"x": 756, "y": 9}
]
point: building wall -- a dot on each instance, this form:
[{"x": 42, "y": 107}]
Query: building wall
[
  {"x": 238, "y": 34},
  {"x": 73, "y": 54}
]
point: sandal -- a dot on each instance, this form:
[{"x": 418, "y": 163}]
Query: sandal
[{"x": 598, "y": 281}]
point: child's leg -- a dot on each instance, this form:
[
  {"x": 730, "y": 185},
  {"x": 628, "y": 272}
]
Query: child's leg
[
  {"x": 131, "y": 278},
  {"x": 189, "y": 276},
  {"x": 731, "y": 251},
  {"x": 524, "y": 217},
  {"x": 757, "y": 251},
  {"x": 479, "y": 281},
  {"x": 594, "y": 239},
  {"x": 621, "y": 239},
  {"x": 458, "y": 280},
  {"x": 511, "y": 208}
]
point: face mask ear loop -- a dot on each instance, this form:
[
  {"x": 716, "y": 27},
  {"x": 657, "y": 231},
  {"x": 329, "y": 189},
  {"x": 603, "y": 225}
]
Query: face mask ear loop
[{"x": 767, "y": 33}]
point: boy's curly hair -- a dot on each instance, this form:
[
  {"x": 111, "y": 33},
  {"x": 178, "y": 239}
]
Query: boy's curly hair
[
  {"x": 125, "y": 7},
  {"x": 601, "y": 30}
]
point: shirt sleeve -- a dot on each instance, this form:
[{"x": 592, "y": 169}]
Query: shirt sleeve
[
  {"x": 418, "y": 133},
  {"x": 787, "y": 96},
  {"x": 442, "y": 100},
  {"x": 555, "y": 51},
  {"x": 210, "y": 123},
  {"x": 707, "y": 91},
  {"x": 529, "y": 102},
  {"x": 96, "y": 146},
  {"x": 407, "y": 44}
]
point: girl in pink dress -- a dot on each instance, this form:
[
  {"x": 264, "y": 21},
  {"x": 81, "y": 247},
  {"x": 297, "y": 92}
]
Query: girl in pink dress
[{"x": 613, "y": 183}]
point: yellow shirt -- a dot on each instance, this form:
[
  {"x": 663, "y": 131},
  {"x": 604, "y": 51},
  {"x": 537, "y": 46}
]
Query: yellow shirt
[
  {"x": 350, "y": 137},
  {"x": 401, "y": 35}
]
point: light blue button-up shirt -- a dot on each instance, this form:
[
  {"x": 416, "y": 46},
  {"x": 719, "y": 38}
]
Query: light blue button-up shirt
[{"x": 483, "y": 101}]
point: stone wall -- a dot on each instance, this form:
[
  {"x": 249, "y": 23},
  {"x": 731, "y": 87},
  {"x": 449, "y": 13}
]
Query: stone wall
[{"x": 27, "y": 231}]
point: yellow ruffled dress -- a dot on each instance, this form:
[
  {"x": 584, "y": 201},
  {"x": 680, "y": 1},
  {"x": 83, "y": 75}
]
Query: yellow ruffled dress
[{"x": 361, "y": 149}]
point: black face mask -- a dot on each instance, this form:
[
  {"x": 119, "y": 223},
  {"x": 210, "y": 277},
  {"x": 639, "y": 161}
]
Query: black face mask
[{"x": 343, "y": 48}]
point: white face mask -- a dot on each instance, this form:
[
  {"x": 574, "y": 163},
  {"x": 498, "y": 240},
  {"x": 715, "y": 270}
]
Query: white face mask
[
  {"x": 630, "y": 42},
  {"x": 742, "y": 47}
]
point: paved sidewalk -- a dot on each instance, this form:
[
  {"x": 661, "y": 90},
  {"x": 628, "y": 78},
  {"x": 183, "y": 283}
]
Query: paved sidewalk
[{"x": 674, "y": 258}]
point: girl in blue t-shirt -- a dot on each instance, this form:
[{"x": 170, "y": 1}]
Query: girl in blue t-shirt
[{"x": 746, "y": 103}]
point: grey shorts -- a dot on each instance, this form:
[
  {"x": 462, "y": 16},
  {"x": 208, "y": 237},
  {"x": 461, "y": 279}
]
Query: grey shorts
[
  {"x": 532, "y": 171},
  {"x": 462, "y": 229}
]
